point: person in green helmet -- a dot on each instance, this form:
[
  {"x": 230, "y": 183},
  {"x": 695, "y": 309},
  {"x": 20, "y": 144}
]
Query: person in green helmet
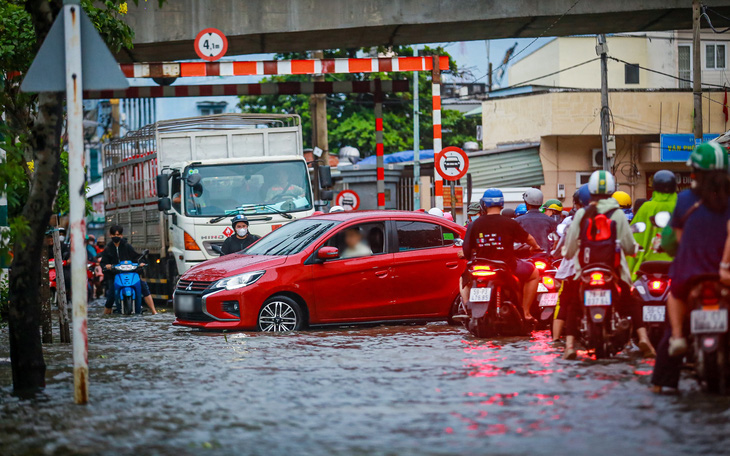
[
  {"x": 663, "y": 199},
  {"x": 700, "y": 224},
  {"x": 553, "y": 208}
]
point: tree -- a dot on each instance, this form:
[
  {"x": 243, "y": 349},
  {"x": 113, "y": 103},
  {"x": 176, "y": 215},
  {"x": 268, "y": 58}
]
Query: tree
[
  {"x": 30, "y": 174},
  {"x": 351, "y": 117}
]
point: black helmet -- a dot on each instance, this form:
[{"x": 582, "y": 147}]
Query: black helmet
[
  {"x": 239, "y": 218},
  {"x": 665, "y": 182}
]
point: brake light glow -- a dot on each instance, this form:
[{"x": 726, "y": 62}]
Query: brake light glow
[
  {"x": 657, "y": 287},
  {"x": 709, "y": 296},
  {"x": 190, "y": 243},
  {"x": 597, "y": 278},
  {"x": 482, "y": 271},
  {"x": 548, "y": 282},
  {"x": 541, "y": 265}
]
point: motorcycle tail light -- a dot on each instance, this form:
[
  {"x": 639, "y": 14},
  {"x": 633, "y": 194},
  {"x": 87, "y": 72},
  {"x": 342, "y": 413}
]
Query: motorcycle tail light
[
  {"x": 482, "y": 271},
  {"x": 597, "y": 278},
  {"x": 709, "y": 295},
  {"x": 190, "y": 243},
  {"x": 540, "y": 265},
  {"x": 657, "y": 287},
  {"x": 549, "y": 282}
]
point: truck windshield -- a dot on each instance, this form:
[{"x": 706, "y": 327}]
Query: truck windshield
[
  {"x": 281, "y": 185},
  {"x": 291, "y": 238}
]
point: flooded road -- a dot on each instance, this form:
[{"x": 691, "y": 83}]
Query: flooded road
[{"x": 434, "y": 390}]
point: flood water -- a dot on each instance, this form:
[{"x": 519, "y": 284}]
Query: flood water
[{"x": 422, "y": 390}]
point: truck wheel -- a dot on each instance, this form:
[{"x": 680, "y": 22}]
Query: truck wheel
[{"x": 280, "y": 314}]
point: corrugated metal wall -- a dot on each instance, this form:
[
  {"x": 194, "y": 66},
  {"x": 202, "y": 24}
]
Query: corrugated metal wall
[{"x": 515, "y": 168}]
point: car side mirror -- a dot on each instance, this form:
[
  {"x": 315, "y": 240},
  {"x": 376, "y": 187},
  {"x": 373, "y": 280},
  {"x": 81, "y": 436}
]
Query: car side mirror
[
  {"x": 459, "y": 242},
  {"x": 325, "y": 177},
  {"x": 164, "y": 204},
  {"x": 163, "y": 185},
  {"x": 328, "y": 253},
  {"x": 217, "y": 249}
]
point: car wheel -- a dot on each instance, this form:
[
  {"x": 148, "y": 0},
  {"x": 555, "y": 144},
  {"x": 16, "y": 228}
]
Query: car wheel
[{"x": 280, "y": 314}]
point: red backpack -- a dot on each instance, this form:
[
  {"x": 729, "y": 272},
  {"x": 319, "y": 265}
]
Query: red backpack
[{"x": 598, "y": 239}]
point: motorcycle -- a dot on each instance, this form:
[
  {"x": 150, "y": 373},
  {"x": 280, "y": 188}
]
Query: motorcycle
[
  {"x": 547, "y": 289},
  {"x": 652, "y": 290},
  {"x": 710, "y": 300},
  {"x": 602, "y": 328},
  {"x": 495, "y": 301},
  {"x": 128, "y": 286}
]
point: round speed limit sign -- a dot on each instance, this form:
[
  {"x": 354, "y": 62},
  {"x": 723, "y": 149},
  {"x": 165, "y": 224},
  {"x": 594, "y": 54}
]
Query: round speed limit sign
[{"x": 211, "y": 44}]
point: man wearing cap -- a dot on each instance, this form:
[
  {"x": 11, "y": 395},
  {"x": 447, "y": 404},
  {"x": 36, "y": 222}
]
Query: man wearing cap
[
  {"x": 473, "y": 213},
  {"x": 535, "y": 222},
  {"x": 241, "y": 238}
]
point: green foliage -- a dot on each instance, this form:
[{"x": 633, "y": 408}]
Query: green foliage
[
  {"x": 4, "y": 300},
  {"x": 351, "y": 118}
]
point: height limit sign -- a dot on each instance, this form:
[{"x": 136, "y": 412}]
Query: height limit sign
[{"x": 211, "y": 44}]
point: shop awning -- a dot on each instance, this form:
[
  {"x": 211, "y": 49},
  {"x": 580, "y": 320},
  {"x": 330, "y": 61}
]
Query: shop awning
[{"x": 513, "y": 166}]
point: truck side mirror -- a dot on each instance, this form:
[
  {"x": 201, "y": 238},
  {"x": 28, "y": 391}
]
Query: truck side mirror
[
  {"x": 325, "y": 177},
  {"x": 163, "y": 185},
  {"x": 164, "y": 204},
  {"x": 326, "y": 195}
]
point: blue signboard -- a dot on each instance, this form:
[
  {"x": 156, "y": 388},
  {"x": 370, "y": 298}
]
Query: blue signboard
[{"x": 678, "y": 147}]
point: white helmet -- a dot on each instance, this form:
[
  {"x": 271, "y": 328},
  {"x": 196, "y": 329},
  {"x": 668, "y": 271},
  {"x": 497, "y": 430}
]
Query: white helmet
[
  {"x": 337, "y": 209},
  {"x": 436, "y": 211},
  {"x": 533, "y": 197},
  {"x": 601, "y": 183}
]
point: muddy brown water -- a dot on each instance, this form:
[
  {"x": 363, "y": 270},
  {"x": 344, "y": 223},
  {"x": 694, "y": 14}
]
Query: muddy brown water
[{"x": 398, "y": 390}]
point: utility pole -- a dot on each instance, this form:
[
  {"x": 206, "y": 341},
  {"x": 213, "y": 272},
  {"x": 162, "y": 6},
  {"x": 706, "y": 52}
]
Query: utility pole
[
  {"x": 602, "y": 50},
  {"x": 489, "y": 69},
  {"x": 416, "y": 141},
  {"x": 696, "y": 70},
  {"x": 318, "y": 104}
]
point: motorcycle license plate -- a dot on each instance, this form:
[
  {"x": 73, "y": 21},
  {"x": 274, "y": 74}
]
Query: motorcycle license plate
[
  {"x": 549, "y": 300},
  {"x": 480, "y": 294},
  {"x": 654, "y": 314},
  {"x": 184, "y": 303},
  {"x": 709, "y": 321},
  {"x": 541, "y": 288},
  {"x": 597, "y": 298}
]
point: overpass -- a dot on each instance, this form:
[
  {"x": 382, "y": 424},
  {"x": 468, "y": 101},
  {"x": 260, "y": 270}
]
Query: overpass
[{"x": 263, "y": 26}]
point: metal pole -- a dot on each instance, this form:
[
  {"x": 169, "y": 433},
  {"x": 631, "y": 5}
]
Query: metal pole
[
  {"x": 379, "y": 149},
  {"x": 436, "y": 98},
  {"x": 76, "y": 194},
  {"x": 452, "y": 203},
  {"x": 696, "y": 70},
  {"x": 416, "y": 141},
  {"x": 61, "y": 289},
  {"x": 604, "y": 100}
]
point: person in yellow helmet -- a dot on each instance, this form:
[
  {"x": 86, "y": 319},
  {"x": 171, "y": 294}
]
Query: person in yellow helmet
[{"x": 624, "y": 200}]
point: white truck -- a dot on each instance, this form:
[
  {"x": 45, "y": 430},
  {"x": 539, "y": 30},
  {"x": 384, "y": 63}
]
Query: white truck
[{"x": 174, "y": 186}]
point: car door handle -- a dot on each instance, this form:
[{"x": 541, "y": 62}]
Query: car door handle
[
  {"x": 381, "y": 273},
  {"x": 452, "y": 265}
]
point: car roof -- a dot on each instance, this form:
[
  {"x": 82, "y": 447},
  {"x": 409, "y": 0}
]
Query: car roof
[{"x": 385, "y": 214}]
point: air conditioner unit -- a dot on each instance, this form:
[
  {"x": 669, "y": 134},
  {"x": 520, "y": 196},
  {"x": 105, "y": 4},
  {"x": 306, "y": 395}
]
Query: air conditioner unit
[{"x": 597, "y": 158}]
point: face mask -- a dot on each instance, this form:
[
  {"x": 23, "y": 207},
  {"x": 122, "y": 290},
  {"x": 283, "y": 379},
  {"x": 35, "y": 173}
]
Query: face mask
[
  {"x": 61, "y": 238},
  {"x": 242, "y": 231},
  {"x": 116, "y": 239}
]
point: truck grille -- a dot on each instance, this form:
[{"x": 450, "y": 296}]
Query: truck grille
[{"x": 192, "y": 285}]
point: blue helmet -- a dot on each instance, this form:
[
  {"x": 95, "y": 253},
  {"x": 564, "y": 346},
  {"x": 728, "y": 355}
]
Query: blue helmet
[
  {"x": 492, "y": 197},
  {"x": 583, "y": 195},
  {"x": 521, "y": 210}
]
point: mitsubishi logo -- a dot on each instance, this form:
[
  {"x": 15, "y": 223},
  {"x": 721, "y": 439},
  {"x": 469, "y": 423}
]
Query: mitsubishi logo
[{"x": 190, "y": 286}]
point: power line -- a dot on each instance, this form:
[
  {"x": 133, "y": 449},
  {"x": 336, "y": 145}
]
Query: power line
[
  {"x": 665, "y": 74},
  {"x": 551, "y": 74},
  {"x": 709, "y": 22},
  {"x": 531, "y": 42}
]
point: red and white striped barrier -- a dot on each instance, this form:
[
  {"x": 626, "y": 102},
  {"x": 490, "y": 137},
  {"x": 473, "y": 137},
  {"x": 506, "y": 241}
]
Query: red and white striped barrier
[
  {"x": 268, "y": 88},
  {"x": 437, "y": 146},
  {"x": 280, "y": 67}
]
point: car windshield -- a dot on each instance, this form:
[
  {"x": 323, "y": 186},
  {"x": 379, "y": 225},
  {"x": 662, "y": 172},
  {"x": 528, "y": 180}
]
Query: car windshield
[
  {"x": 291, "y": 238},
  {"x": 262, "y": 188}
]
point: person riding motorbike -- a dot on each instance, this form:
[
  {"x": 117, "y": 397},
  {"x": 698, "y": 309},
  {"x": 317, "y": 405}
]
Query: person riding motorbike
[
  {"x": 624, "y": 201},
  {"x": 664, "y": 199},
  {"x": 115, "y": 252},
  {"x": 241, "y": 238},
  {"x": 535, "y": 222},
  {"x": 521, "y": 209},
  {"x": 566, "y": 270},
  {"x": 492, "y": 236},
  {"x": 473, "y": 213},
  {"x": 700, "y": 225},
  {"x": 553, "y": 208},
  {"x": 601, "y": 186}
]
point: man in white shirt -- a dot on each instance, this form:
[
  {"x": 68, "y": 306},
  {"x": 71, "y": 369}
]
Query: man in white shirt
[{"x": 355, "y": 246}]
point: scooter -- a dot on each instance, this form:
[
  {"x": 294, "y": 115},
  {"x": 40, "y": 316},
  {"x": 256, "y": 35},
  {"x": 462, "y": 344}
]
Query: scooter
[
  {"x": 128, "y": 286},
  {"x": 710, "y": 301},
  {"x": 651, "y": 288},
  {"x": 547, "y": 289},
  {"x": 495, "y": 301}
]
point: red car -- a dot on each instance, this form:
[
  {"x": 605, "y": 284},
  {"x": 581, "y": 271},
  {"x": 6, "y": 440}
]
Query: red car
[{"x": 333, "y": 269}]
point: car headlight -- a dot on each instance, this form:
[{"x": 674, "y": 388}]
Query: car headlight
[{"x": 239, "y": 281}]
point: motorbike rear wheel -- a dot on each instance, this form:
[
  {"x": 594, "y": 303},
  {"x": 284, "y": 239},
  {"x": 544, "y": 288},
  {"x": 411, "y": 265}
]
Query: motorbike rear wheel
[
  {"x": 479, "y": 327},
  {"x": 127, "y": 305},
  {"x": 597, "y": 340},
  {"x": 712, "y": 368}
]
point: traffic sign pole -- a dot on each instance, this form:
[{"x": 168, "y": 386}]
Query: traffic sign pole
[{"x": 76, "y": 195}]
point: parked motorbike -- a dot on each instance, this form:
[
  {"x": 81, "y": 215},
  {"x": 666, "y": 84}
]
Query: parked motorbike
[
  {"x": 128, "y": 286},
  {"x": 652, "y": 290},
  {"x": 495, "y": 301},
  {"x": 710, "y": 300}
]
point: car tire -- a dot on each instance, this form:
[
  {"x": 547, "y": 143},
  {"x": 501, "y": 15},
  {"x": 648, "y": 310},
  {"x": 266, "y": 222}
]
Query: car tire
[{"x": 280, "y": 314}]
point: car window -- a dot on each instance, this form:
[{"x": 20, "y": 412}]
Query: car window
[
  {"x": 449, "y": 236},
  {"x": 418, "y": 235},
  {"x": 364, "y": 239},
  {"x": 291, "y": 238}
]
